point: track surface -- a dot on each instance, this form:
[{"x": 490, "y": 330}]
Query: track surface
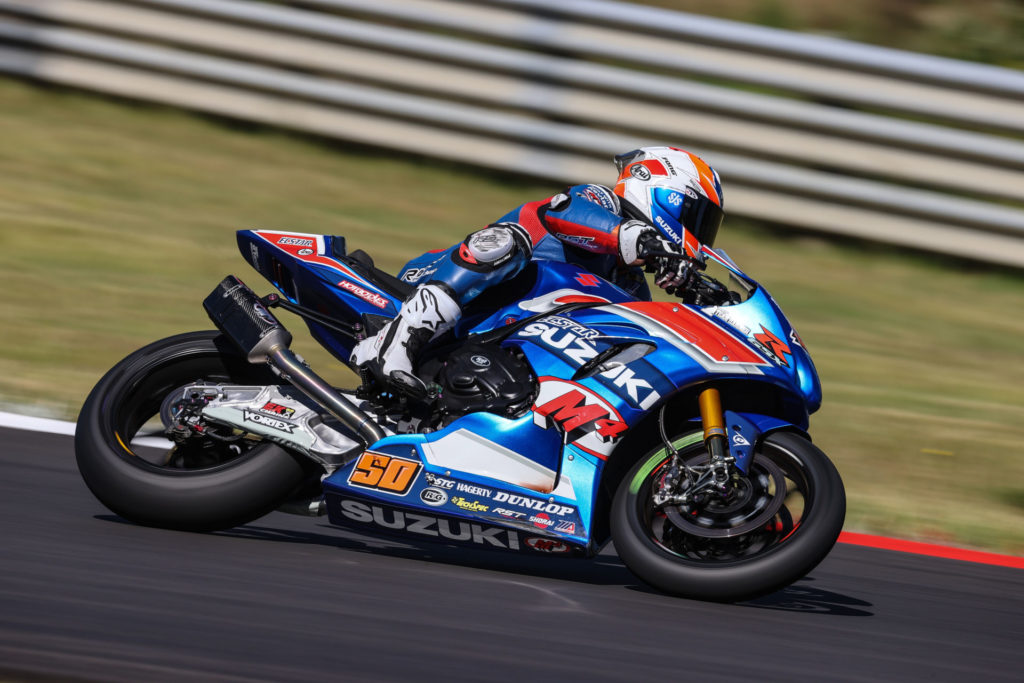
[{"x": 85, "y": 595}]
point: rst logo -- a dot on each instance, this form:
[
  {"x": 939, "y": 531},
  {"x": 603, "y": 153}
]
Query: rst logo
[
  {"x": 438, "y": 527},
  {"x": 587, "y": 420},
  {"x": 384, "y": 473},
  {"x": 576, "y": 345}
]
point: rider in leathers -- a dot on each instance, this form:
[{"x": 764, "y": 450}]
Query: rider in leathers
[{"x": 666, "y": 202}]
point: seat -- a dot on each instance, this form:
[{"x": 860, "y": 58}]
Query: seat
[{"x": 362, "y": 263}]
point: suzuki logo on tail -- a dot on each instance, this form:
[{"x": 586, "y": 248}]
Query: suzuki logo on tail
[{"x": 587, "y": 420}]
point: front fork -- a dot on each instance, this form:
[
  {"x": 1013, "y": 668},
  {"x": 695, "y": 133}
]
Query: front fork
[
  {"x": 699, "y": 480},
  {"x": 715, "y": 437}
]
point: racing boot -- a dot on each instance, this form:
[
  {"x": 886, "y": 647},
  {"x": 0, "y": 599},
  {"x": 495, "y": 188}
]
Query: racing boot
[{"x": 428, "y": 313}]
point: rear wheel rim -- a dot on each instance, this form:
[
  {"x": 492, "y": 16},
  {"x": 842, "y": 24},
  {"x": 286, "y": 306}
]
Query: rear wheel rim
[{"x": 143, "y": 401}]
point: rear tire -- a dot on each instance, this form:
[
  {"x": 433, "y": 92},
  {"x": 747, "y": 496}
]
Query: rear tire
[
  {"x": 241, "y": 487},
  {"x": 723, "y": 568}
]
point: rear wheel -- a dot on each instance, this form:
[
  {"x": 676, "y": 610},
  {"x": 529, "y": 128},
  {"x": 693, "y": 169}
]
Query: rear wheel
[
  {"x": 213, "y": 482},
  {"x": 777, "y": 522}
]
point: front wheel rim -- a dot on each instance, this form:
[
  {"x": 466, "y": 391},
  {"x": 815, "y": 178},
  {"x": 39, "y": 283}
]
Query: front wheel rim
[{"x": 733, "y": 533}]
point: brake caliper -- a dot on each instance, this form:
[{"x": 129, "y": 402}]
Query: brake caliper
[{"x": 182, "y": 412}]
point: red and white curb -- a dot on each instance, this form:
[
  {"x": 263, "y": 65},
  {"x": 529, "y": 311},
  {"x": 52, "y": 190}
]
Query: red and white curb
[{"x": 50, "y": 426}]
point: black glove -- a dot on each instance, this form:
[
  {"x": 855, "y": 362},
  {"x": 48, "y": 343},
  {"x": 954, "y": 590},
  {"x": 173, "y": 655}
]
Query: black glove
[{"x": 673, "y": 269}]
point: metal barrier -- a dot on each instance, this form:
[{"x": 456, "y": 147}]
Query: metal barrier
[{"x": 840, "y": 138}]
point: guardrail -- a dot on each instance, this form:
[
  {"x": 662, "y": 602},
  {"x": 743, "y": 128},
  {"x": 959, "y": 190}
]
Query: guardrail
[{"x": 816, "y": 133}]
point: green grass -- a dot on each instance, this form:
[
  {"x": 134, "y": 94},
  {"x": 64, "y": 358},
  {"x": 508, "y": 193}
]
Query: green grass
[{"x": 116, "y": 220}]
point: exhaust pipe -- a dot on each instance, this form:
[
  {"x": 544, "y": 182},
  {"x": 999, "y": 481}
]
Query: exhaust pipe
[
  {"x": 316, "y": 387},
  {"x": 238, "y": 312}
]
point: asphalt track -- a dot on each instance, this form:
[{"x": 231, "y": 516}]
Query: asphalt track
[{"x": 87, "y": 596}]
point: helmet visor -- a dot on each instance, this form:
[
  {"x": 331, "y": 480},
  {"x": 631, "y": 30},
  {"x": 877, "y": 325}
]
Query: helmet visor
[{"x": 701, "y": 217}]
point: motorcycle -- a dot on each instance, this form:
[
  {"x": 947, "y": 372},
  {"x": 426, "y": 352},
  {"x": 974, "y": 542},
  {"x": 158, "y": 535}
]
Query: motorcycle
[{"x": 561, "y": 414}]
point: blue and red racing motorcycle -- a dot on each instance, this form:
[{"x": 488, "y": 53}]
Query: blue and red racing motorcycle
[{"x": 562, "y": 413}]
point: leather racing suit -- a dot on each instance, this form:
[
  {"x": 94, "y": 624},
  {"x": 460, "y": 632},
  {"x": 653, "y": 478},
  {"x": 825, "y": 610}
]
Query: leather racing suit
[{"x": 578, "y": 226}]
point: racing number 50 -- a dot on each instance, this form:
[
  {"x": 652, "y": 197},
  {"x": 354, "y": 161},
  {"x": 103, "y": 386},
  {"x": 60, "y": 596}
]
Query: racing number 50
[{"x": 384, "y": 472}]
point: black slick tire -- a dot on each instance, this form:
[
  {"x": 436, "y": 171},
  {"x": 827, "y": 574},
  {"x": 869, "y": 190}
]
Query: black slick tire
[
  {"x": 207, "y": 499},
  {"x": 746, "y": 578}
]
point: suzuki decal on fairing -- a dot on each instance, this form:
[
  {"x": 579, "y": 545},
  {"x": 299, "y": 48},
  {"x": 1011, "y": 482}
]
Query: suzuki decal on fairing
[
  {"x": 426, "y": 525},
  {"x": 577, "y": 344}
]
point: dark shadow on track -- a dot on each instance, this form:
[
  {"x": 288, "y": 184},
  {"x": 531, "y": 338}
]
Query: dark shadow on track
[
  {"x": 800, "y": 597},
  {"x": 603, "y": 570}
]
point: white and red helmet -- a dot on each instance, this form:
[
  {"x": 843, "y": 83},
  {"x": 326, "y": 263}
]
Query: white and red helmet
[{"x": 671, "y": 189}]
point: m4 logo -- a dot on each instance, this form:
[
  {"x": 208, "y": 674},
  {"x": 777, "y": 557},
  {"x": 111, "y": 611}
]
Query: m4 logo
[{"x": 587, "y": 420}]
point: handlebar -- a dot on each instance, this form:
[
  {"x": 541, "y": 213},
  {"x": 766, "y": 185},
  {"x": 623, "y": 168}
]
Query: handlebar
[{"x": 705, "y": 290}]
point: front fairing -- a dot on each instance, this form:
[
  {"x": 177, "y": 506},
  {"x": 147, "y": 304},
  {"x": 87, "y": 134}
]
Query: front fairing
[
  {"x": 751, "y": 340},
  {"x": 762, "y": 323}
]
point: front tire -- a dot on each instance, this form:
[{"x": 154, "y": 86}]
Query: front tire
[
  {"x": 216, "y": 487},
  {"x": 790, "y": 480}
]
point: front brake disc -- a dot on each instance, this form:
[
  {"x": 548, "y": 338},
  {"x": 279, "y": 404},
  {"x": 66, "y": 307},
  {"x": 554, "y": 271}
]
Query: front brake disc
[{"x": 750, "y": 508}]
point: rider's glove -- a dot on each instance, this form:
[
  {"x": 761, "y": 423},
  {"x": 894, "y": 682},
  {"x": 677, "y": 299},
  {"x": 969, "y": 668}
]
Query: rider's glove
[{"x": 639, "y": 243}]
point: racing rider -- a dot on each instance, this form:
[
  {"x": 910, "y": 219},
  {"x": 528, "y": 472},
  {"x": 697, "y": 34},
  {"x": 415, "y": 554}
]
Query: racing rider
[{"x": 666, "y": 202}]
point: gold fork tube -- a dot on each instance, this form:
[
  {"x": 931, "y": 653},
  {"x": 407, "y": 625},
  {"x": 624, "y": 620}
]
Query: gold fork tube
[{"x": 711, "y": 414}]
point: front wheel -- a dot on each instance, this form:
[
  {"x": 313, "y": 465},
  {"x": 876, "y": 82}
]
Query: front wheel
[
  {"x": 778, "y": 521},
  {"x": 206, "y": 484}
]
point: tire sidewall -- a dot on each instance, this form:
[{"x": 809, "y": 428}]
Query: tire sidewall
[{"x": 233, "y": 493}]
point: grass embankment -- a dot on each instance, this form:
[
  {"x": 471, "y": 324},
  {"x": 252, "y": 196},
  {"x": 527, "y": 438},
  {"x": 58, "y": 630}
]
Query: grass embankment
[{"x": 115, "y": 222}]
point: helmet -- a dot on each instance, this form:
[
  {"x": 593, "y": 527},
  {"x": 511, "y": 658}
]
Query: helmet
[{"x": 671, "y": 189}]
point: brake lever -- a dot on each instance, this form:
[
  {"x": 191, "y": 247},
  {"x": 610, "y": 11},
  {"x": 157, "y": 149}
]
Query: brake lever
[{"x": 699, "y": 263}]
